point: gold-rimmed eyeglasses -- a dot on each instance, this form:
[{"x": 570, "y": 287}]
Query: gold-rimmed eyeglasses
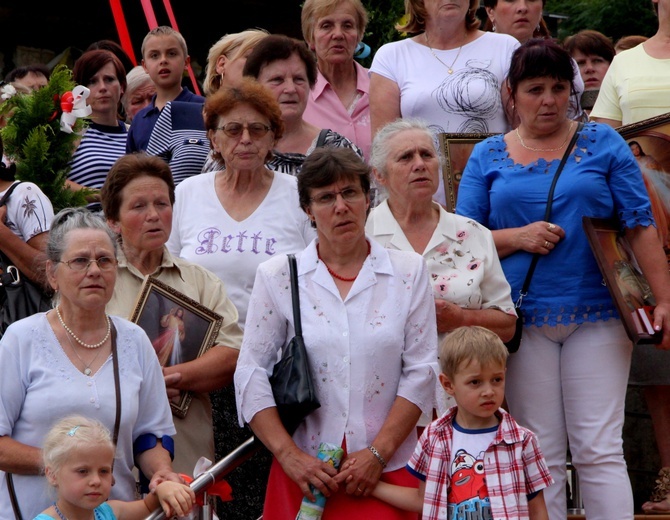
[
  {"x": 105, "y": 263},
  {"x": 234, "y": 130}
]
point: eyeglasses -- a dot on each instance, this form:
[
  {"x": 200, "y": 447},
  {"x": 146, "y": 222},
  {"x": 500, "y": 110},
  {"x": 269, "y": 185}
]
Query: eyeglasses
[
  {"x": 234, "y": 130},
  {"x": 105, "y": 263},
  {"x": 328, "y": 198}
]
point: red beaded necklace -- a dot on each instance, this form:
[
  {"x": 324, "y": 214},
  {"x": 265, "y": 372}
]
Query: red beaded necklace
[{"x": 333, "y": 273}]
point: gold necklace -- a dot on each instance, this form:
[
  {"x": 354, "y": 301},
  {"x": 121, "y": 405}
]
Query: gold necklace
[
  {"x": 450, "y": 68},
  {"x": 95, "y": 345},
  {"x": 567, "y": 138}
]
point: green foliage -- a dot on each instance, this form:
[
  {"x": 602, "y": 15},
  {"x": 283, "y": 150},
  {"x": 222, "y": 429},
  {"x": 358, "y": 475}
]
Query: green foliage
[
  {"x": 613, "y": 18},
  {"x": 33, "y": 139},
  {"x": 383, "y": 16}
]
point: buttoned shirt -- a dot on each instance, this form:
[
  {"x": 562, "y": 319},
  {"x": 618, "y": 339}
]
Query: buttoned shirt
[
  {"x": 325, "y": 110},
  {"x": 365, "y": 350},
  {"x": 514, "y": 467}
]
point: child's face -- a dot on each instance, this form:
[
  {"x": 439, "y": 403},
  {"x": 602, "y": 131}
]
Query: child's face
[
  {"x": 478, "y": 391},
  {"x": 84, "y": 481},
  {"x": 164, "y": 60}
]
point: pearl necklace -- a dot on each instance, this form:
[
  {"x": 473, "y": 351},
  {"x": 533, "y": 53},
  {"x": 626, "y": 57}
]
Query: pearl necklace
[
  {"x": 567, "y": 138},
  {"x": 450, "y": 68},
  {"x": 95, "y": 345},
  {"x": 333, "y": 273}
]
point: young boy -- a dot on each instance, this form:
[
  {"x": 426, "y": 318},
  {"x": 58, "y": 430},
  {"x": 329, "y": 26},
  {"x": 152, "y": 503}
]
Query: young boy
[
  {"x": 164, "y": 57},
  {"x": 475, "y": 462}
]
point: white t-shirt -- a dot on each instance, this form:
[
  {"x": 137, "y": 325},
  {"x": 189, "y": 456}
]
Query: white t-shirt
[
  {"x": 29, "y": 211},
  {"x": 467, "y": 101},
  {"x": 204, "y": 233}
]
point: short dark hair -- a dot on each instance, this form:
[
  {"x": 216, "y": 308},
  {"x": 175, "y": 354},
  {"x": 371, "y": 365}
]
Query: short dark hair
[
  {"x": 126, "y": 169},
  {"x": 89, "y": 63},
  {"x": 22, "y": 72},
  {"x": 116, "y": 49},
  {"x": 280, "y": 47},
  {"x": 249, "y": 92},
  {"x": 326, "y": 165},
  {"x": 590, "y": 42},
  {"x": 537, "y": 58}
]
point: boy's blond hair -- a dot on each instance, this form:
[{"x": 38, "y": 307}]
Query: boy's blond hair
[
  {"x": 466, "y": 344},
  {"x": 165, "y": 30}
]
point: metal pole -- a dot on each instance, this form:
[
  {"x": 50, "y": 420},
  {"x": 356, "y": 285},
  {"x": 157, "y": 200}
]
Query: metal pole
[{"x": 218, "y": 470}]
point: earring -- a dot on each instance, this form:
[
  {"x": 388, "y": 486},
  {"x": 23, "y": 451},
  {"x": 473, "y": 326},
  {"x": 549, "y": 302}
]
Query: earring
[
  {"x": 493, "y": 28},
  {"x": 537, "y": 29}
]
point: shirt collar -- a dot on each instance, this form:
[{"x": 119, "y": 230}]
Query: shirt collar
[
  {"x": 168, "y": 262},
  {"x": 362, "y": 81}
]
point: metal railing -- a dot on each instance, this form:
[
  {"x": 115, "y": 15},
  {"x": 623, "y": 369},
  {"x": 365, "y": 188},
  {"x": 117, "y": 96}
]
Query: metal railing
[{"x": 219, "y": 470}]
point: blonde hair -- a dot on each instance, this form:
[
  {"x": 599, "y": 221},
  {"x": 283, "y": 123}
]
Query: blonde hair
[
  {"x": 232, "y": 46},
  {"x": 71, "y": 434},
  {"x": 467, "y": 344},
  {"x": 416, "y": 14},
  {"x": 312, "y": 10},
  {"x": 165, "y": 30}
]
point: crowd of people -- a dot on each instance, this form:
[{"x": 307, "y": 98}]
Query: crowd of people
[{"x": 297, "y": 149}]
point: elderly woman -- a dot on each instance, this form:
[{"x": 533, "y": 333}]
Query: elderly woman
[
  {"x": 568, "y": 380},
  {"x": 368, "y": 320},
  {"x": 104, "y": 140},
  {"x": 339, "y": 99},
  {"x": 139, "y": 92},
  {"x": 70, "y": 360},
  {"x": 137, "y": 199},
  {"x": 468, "y": 283},
  {"x": 287, "y": 67}
]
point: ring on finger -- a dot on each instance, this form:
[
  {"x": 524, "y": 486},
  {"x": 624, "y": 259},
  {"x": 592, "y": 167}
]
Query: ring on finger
[
  {"x": 551, "y": 226},
  {"x": 359, "y": 489},
  {"x": 546, "y": 244}
]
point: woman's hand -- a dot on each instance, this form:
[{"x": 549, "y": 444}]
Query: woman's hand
[
  {"x": 164, "y": 475},
  {"x": 662, "y": 324},
  {"x": 449, "y": 315},
  {"x": 538, "y": 237},
  {"x": 306, "y": 470},
  {"x": 360, "y": 472}
]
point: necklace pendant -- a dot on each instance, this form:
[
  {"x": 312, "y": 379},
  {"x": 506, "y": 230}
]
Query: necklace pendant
[
  {"x": 87, "y": 371},
  {"x": 450, "y": 71}
]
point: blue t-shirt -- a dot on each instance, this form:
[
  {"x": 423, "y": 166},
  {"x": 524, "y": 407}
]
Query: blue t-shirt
[
  {"x": 600, "y": 179},
  {"x": 102, "y": 512},
  {"x": 144, "y": 121}
]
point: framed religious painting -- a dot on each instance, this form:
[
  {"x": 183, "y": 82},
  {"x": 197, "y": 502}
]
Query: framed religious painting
[
  {"x": 179, "y": 328},
  {"x": 456, "y": 150},
  {"x": 624, "y": 279},
  {"x": 649, "y": 140}
]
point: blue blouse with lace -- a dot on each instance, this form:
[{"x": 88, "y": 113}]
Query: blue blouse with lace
[{"x": 600, "y": 179}]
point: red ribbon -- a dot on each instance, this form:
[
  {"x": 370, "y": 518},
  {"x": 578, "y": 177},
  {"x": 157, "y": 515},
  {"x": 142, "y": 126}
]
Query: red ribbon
[
  {"x": 220, "y": 489},
  {"x": 122, "y": 29}
]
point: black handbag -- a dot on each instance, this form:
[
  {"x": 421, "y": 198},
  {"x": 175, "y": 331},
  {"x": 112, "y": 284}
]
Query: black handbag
[
  {"x": 19, "y": 297},
  {"x": 291, "y": 380},
  {"x": 514, "y": 343}
]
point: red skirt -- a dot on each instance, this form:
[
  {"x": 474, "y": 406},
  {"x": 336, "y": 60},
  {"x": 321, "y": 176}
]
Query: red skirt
[{"x": 283, "y": 498}]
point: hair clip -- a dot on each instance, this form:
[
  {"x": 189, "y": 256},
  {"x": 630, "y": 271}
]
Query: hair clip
[{"x": 73, "y": 431}]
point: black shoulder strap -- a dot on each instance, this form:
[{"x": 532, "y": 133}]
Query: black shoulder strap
[
  {"x": 9, "y": 191},
  {"x": 295, "y": 294},
  {"x": 322, "y": 137}
]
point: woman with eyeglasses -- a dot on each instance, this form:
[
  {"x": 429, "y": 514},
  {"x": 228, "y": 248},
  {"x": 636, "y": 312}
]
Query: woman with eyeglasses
[
  {"x": 368, "y": 321},
  {"x": 231, "y": 220},
  {"x": 63, "y": 362}
]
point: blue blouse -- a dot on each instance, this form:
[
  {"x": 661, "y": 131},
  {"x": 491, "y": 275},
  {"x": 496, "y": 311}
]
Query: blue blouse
[{"x": 600, "y": 179}]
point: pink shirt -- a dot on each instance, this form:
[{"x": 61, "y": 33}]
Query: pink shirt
[{"x": 325, "y": 110}]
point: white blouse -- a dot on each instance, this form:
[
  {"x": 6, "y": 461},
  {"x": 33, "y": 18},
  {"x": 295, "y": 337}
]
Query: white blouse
[{"x": 377, "y": 344}]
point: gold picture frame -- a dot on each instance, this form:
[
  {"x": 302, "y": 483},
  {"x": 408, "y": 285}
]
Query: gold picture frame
[
  {"x": 652, "y": 137},
  {"x": 456, "y": 150},
  {"x": 172, "y": 319},
  {"x": 627, "y": 285}
]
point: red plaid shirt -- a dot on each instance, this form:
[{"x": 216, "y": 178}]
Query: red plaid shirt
[{"x": 513, "y": 465}]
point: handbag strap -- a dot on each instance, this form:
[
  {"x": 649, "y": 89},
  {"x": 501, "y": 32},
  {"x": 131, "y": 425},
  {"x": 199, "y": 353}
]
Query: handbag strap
[
  {"x": 295, "y": 295},
  {"x": 7, "y": 194},
  {"x": 117, "y": 385},
  {"x": 547, "y": 213},
  {"x": 12, "y": 496}
]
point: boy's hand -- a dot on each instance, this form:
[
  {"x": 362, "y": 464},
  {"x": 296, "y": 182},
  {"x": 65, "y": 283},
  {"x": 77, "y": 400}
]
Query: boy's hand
[
  {"x": 175, "y": 499},
  {"x": 361, "y": 475}
]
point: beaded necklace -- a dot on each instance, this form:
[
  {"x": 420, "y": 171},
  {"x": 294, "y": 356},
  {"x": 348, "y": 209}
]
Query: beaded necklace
[
  {"x": 333, "y": 273},
  {"x": 69, "y": 330}
]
